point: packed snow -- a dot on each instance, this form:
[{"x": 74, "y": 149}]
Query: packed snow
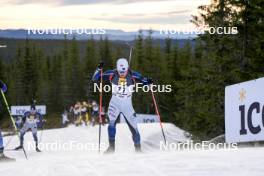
[{"x": 55, "y": 160}]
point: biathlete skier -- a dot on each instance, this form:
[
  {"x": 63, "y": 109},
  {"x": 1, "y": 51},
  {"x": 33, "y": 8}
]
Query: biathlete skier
[
  {"x": 3, "y": 87},
  {"x": 122, "y": 79},
  {"x": 32, "y": 120}
]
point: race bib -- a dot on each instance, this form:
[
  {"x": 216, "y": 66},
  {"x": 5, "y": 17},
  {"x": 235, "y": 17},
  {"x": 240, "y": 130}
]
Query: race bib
[
  {"x": 31, "y": 118},
  {"x": 122, "y": 89}
]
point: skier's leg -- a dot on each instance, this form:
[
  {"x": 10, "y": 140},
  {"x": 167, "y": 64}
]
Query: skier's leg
[
  {"x": 86, "y": 118},
  {"x": 132, "y": 124},
  {"x": 131, "y": 119},
  {"x": 80, "y": 119},
  {"x": 113, "y": 113},
  {"x": 35, "y": 135},
  {"x": 93, "y": 118},
  {"x": 23, "y": 132},
  {"x": 3, "y": 158},
  {"x": 1, "y": 143}
]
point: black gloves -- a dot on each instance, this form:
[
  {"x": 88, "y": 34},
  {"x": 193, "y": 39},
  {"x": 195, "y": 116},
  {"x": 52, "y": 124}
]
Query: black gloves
[
  {"x": 100, "y": 65},
  {"x": 3, "y": 86},
  {"x": 23, "y": 120},
  {"x": 149, "y": 80}
]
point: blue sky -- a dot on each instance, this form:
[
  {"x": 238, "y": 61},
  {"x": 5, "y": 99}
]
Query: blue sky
[{"x": 128, "y": 15}]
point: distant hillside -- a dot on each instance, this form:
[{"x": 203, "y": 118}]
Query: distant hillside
[
  {"x": 54, "y": 46},
  {"x": 111, "y": 34}
]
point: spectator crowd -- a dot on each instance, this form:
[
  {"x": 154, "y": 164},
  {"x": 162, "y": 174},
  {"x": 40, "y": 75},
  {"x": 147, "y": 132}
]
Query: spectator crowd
[{"x": 84, "y": 113}]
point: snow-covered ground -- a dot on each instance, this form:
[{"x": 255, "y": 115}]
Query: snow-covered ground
[{"x": 80, "y": 161}]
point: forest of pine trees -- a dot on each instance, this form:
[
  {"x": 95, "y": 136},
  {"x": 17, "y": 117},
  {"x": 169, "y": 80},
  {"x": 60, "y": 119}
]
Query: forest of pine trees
[{"x": 198, "y": 73}]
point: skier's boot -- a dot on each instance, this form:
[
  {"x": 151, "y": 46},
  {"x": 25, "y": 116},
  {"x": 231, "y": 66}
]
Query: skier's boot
[
  {"x": 37, "y": 149},
  {"x": 19, "y": 147},
  {"x": 4, "y": 158},
  {"x": 111, "y": 148},
  {"x": 138, "y": 148}
]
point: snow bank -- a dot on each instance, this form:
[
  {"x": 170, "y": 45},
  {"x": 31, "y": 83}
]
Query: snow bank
[{"x": 246, "y": 161}]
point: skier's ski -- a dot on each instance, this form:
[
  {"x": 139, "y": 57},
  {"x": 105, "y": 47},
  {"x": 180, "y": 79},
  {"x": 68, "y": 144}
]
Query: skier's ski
[
  {"x": 11, "y": 149},
  {"x": 20, "y": 147},
  {"x": 4, "y": 158}
]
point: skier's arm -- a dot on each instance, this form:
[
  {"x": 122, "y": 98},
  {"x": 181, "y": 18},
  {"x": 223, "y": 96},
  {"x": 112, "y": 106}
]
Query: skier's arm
[
  {"x": 139, "y": 78},
  {"x": 40, "y": 121},
  {"x": 106, "y": 75},
  {"x": 26, "y": 114},
  {"x": 39, "y": 116},
  {"x": 3, "y": 86}
]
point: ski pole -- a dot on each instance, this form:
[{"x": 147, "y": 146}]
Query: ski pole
[
  {"x": 158, "y": 114},
  {"x": 100, "y": 108},
  {"x": 130, "y": 54},
  {"x": 42, "y": 129},
  {"x": 12, "y": 119}
]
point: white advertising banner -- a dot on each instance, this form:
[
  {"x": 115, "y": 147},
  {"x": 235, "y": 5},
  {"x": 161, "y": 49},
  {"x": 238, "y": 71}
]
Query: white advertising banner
[
  {"x": 20, "y": 110},
  {"x": 244, "y": 111}
]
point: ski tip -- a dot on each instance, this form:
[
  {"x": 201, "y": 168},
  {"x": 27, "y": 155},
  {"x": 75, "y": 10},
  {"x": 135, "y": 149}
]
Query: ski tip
[{"x": 6, "y": 159}]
